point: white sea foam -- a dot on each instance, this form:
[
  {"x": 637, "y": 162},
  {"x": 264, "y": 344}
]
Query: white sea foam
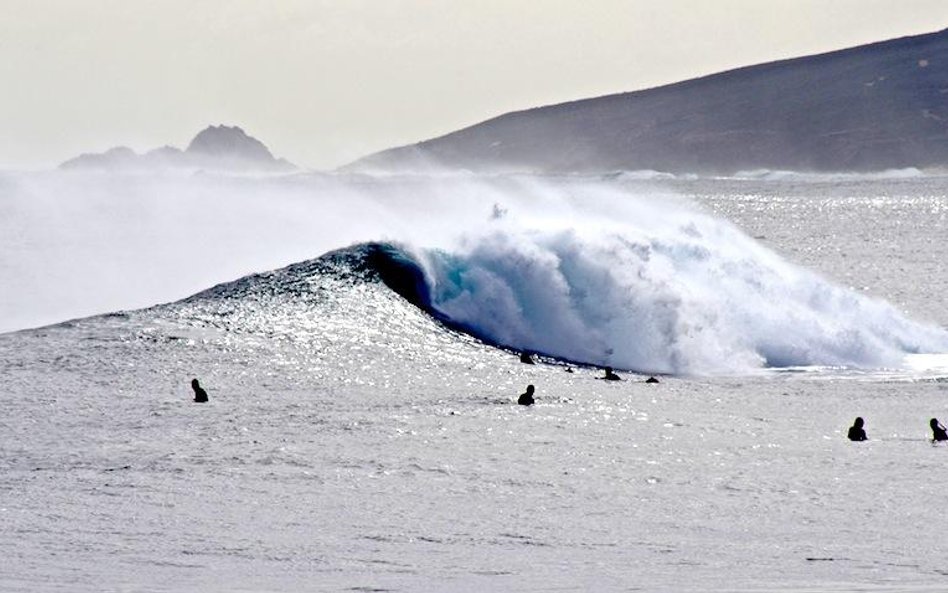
[
  {"x": 784, "y": 175},
  {"x": 661, "y": 288}
]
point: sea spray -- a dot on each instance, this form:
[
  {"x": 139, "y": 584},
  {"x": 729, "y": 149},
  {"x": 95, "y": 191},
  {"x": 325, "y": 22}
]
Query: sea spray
[
  {"x": 604, "y": 270},
  {"x": 665, "y": 289}
]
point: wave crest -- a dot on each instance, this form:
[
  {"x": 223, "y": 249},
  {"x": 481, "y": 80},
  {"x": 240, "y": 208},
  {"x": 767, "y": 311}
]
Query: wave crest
[{"x": 700, "y": 299}]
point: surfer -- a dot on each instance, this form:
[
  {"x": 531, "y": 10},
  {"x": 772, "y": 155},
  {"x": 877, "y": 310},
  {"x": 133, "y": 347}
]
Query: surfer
[
  {"x": 526, "y": 398},
  {"x": 651, "y": 380},
  {"x": 856, "y": 432},
  {"x": 526, "y": 358},
  {"x": 200, "y": 395},
  {"x": 611, "y": 376},
  {"x": 938, "y": 431}
]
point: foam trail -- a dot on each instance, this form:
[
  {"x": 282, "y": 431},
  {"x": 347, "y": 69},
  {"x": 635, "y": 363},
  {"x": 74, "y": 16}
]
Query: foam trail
[{"x": 661, "y": 289}]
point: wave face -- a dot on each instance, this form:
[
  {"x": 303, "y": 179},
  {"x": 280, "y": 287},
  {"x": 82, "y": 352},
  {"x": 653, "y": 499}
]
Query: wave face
[
  {"x": 683, "y": 293},
  {"x": 591, "y": 271}
]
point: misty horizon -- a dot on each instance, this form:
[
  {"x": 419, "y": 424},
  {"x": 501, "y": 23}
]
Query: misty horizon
[{"x": 102, "y": 116}]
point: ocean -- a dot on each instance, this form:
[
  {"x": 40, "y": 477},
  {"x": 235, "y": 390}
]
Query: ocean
[{"x": 360, "y": 336}]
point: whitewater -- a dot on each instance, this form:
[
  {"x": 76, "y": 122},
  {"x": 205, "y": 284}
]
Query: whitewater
[{"x": 359, "y": 339}]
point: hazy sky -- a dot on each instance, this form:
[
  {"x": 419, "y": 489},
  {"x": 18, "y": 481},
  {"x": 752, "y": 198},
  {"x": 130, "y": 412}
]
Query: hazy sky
[{"x": 324, "y": 82}]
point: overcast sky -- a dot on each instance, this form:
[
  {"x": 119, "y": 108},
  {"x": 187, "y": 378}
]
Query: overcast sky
[{"x": 324, "y": 82}]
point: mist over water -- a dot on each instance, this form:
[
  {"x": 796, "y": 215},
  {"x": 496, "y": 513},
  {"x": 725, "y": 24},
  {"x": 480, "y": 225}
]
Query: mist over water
[{"x": 595, "y": 270}]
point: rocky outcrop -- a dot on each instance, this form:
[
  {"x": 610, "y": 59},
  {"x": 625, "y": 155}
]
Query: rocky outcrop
[{"x": 226, "y": 148}]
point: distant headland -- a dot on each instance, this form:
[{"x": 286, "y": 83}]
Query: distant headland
[
  {"x": 225, "y": 148},
  {"x": 869, "y": 108}
]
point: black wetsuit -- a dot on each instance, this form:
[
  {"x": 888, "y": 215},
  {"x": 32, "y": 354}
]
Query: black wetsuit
[
  {"x": 939, "y": 434},
  {"x": 525, "y": 399},
  {"x": 857, "y": 433},
  {"x": 200, "y": 395}
]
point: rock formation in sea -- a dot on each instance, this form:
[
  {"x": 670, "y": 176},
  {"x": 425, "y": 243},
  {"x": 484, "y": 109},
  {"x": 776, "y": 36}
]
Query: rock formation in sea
[{"x": 226, "y": 148}]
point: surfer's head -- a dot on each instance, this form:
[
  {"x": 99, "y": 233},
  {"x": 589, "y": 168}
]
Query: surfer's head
[{"x": 858, "y": 422}]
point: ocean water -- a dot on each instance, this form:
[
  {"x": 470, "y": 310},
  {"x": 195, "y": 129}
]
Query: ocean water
[{"x": 356, "y": 441}]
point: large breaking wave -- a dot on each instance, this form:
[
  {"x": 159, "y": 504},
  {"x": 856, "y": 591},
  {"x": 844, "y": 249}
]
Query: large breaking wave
[
  {"x": 677, "y": 291},
  {"x": 663, "y": 307},
  {"x": 609, "y": 271}
]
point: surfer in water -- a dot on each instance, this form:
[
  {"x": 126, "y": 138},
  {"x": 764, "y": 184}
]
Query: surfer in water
[
  {"x": 526, "y": 398},
  {"x": 856, "y": 432},
  {"x": 200, "y": 395},
  {"x": 527, "y": 358},
  {"x": 611, "y": 376},
  {"x": 938, "y": 431}
]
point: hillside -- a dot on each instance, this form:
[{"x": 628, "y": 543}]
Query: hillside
[{"x": 872, "y": 107}]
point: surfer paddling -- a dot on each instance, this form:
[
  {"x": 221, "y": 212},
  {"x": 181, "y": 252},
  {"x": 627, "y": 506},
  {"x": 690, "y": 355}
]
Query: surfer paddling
[
  {"x": 938, "y": 431},
  {"x": 611, "y": 376},
  {"x": 200, "y": 396},
  {"x": 856, "y": 431},
  {"x": 526, "y": 398}
]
